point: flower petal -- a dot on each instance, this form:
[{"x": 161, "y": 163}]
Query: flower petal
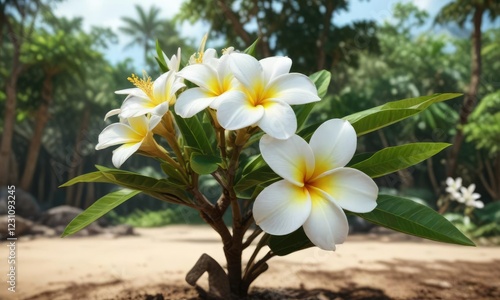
[
  {"x": 112, "y": 112},
  {"x": 227, "y": 96},
  {"x": 246, "y": 69},
  {"x": 115, "y": 134},
  {"x": 327, "y": 223},
  {"x": 133, "y": 92},
  {"x": 281, "y": 208},
  {"x": 333, "y": 145},
  {"x": 292, "y": 159},
  {"x": 350, "y": 188},
  {"x": 237, "y": 113},
  {"x": 202, "y": 75},
  {"x": 294, "y": 88},
  {"x": 135, "y": 106},
  {"x": 279, "y": 120},
  {"x": 193, "y": 101},
  {"x": 162, "y": 87},
  {"x": 275, "y": 66},
  {"x": 122, "y": 153}
]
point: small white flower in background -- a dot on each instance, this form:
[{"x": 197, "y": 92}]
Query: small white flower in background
[
  {"x": 453, "y": 187},
  {"x": 133, "y": 134},
  {"x": 215, "y": 83},
  {"x": 267, "y": 90},
  {"x": 203, "y": 56},
  {"x": 470, "y": 198},
  {"x": 150, "y": 97},
  {"x": 316, "y": 185}
]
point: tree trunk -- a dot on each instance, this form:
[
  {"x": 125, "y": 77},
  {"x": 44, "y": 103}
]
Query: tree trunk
[
  {"x": 9, "y": 122},
  {"x": 77, "y": 159},
  {"x": 470, "y": 98},
  {"x": 42, "y": 117}
]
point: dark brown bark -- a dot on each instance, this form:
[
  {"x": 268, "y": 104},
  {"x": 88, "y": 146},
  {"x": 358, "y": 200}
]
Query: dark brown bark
[
  {"x": 42, "y": 116},
  {"x": 470, "y": 98},
  {"x": 73, "y": 194},
  {"x": 330, "y": 8}
]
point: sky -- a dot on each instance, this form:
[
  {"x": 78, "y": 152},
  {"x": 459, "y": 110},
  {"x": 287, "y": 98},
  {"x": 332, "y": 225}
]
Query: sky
[{"x": 107, "y": 13}]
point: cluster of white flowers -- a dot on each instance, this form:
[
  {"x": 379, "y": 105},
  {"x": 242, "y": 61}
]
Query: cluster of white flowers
[
  {"x": 245, "y": 92},
  {"x": 462, "y": 194}
]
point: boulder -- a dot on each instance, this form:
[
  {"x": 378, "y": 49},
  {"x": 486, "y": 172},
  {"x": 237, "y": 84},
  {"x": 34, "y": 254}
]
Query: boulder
[
  {"x": 26, "y": 205},
  {"x": 22, "y": 226}
]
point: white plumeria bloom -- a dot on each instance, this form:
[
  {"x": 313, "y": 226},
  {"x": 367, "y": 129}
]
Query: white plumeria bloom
[
  {"x": 133, "y": 134},
  {"x": 315, "y": 187},
  {"x": 469, "y": 197},
  {"x": 267, "y": 90},
  {"x": 150, "y": 97},
  {"x": 215, "y": 85},
  {"x": 453, "y": 187},
  {"x": 173, "y": 63}
]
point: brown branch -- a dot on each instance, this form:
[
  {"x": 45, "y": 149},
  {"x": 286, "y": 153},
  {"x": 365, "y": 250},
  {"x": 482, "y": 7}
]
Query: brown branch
[
  {"x": 237, "y": 25},
  {"x": 252, "y": 237},
  {"x": 330, "y": 8}
]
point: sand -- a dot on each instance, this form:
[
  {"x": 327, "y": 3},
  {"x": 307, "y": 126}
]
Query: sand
[{"x": 156, "y": 261}]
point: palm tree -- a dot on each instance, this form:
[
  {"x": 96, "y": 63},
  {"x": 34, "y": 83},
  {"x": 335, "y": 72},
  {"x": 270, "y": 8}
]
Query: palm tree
[
  {"x": 462, "y": 11},
  {"x": 143, "y": 29}
]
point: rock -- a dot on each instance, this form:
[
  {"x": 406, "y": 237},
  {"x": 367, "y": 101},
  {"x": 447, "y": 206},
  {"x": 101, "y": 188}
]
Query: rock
[
  {"x": 120, "y": 230},
  {"x": 39, "y": 229},
  {"x": 22, "y": 226},
  {"x": 26, "y": 205},
  {"x": 59, "y": 216}
]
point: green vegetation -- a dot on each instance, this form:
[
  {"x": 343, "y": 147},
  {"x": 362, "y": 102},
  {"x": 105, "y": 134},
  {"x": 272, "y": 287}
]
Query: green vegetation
[{"x": 55, "y": 86}]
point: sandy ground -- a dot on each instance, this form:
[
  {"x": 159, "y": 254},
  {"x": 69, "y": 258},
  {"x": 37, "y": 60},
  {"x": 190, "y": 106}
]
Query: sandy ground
[{"x": 156, "y": 261}]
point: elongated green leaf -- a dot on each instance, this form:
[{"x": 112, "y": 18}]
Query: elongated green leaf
[
  {"x": 89, "y": 177},
  {"x": 380, "y": 119},
  {"x": 392, "y": 159},
  {"x": 384, "y": 115},
  {"x": 194, "y": 134},
  {"x": 321, "y": 80},
  {"x": 251, "y": 49},
  {"x": 286, "y": 244},
  {"x": 160, "y": 59},
  {"x": 412, "y": 218},
  {"x": 204, "y": 164},
  {"x": 102, "y": 206}
]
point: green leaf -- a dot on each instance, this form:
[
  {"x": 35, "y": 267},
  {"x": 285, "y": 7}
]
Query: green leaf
[
  {"x": 89, "y": 177},
  {"x": 321, "y": 80},
  {"x": 102, "y": 206},
  {"x": 251, "y": 49},
  {"x": 392, "y": 159},
  {"x": 194, "y": 134},
  {"x": 384, "y": 115},
  {"x": 204, "y": 164},
  {"x": 412, "y": 218},
  {"x": 285, "y": 244},
  {"x": 256, "y": 172},
  {"x": 380, "y": 119},
  {"x": 160, "y": 59}
]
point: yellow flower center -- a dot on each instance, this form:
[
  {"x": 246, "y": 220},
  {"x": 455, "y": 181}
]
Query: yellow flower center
[{"x": 145, "y": 84}]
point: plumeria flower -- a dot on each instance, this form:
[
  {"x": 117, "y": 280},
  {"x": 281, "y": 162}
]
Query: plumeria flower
[
  {"x": 150, "y": 97},
  {"x": 134, "y": 134},
  {"x": 267, "y": 90},
  {"x": 469, "y": 197},
  {"x": 173, "y": 63},
  {"x": 315, "y": 187},
  {"x": 453, "y": 187},
  {"x": 215, "y": 85},
  {"x": 203, "y": 56}
]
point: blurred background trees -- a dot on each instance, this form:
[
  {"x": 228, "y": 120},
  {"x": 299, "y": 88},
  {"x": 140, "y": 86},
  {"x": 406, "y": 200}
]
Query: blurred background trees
[{"x": 56, "y": 84}]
